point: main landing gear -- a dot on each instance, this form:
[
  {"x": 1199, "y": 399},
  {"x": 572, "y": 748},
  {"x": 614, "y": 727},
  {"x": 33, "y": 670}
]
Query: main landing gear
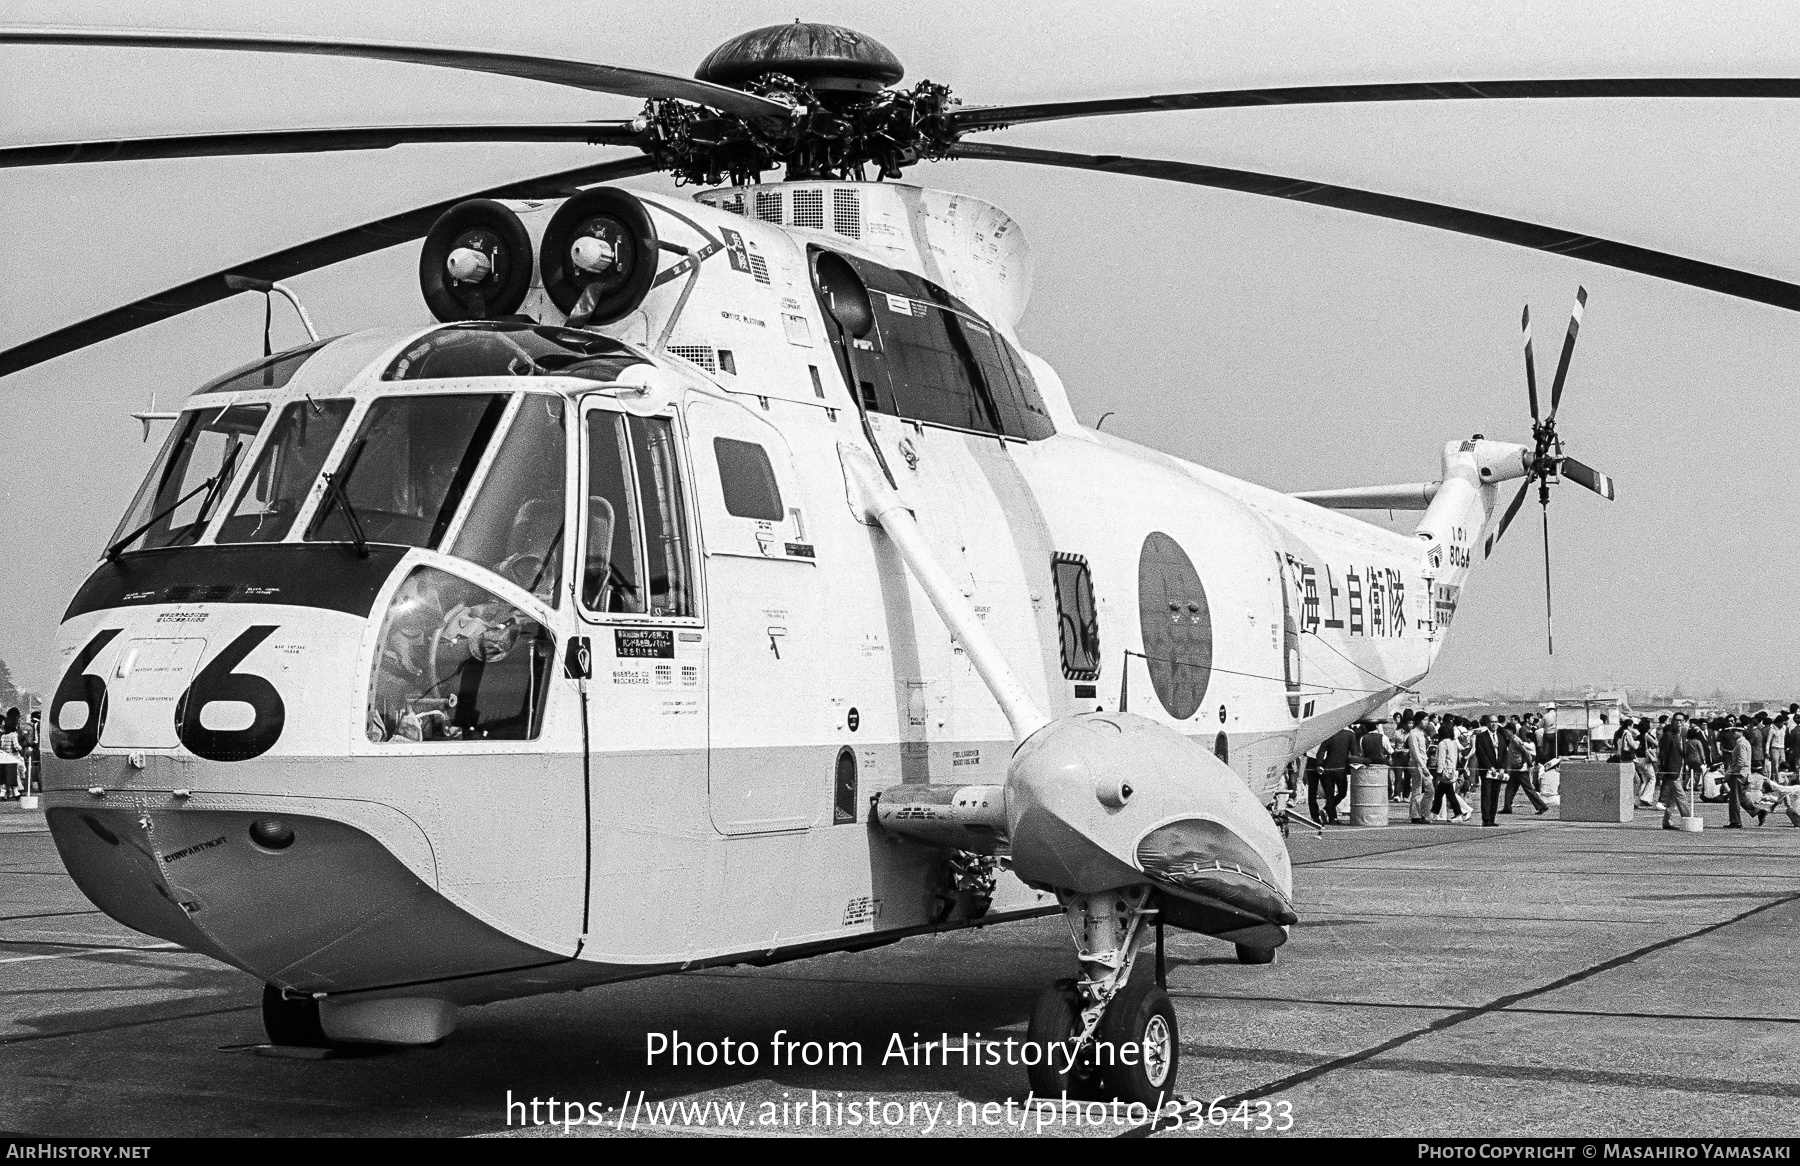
[{"x": 1107, "y": 1035}]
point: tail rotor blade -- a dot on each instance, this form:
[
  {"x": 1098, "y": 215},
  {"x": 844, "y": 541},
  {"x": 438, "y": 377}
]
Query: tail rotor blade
[
  {"x": 1530, "y": 365},
  {"x": 1549, "y": 629},
  {"x": 1512, "y": 512},
  {"x": 1568, "y": 349},
  {"x": 1585, "y": 475}
]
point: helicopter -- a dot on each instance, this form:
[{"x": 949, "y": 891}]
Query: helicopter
[{"x": 743, "y": 545}]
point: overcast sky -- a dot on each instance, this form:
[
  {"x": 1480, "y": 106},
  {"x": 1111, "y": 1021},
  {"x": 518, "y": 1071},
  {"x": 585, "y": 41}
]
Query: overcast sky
[{"x": 1295, "y": 346}]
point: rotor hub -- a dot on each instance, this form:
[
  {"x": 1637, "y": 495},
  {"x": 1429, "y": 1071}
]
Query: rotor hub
[{"x": 826, "y": 58}]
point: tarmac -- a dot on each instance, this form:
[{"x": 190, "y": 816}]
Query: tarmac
[{"x": 1539, "y": 979}]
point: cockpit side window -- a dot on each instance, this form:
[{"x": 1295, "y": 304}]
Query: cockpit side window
[
  {"x": 515, "y": 525},
  {"x": 190, "y": 476},
  {"x": 406, "y": 471},
  {"x": 637, "y": 558},
  {"x": 285, "y": 472}
]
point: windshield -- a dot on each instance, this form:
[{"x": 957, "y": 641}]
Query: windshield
[
  {"x": 408, "y": 468},
  {"x": 188, "y": 478},
  {"x": 285, "y": 472},
  {"x": 498, "y": 349}
]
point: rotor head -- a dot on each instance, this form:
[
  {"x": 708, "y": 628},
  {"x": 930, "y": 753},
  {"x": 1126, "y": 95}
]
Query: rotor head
[{"x": 826, "y": 58}]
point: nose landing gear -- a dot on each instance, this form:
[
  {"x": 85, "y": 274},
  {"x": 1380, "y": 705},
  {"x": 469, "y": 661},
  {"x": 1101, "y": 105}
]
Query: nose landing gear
[
  {"x": 292, "y": 1021},
  {"x": 1108, "y": 1035}
]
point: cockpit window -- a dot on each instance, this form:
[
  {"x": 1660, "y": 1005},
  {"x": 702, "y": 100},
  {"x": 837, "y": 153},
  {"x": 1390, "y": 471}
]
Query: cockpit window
[
  {"x": 515, "y": 525},
  {"x": 407, "y": 469},
  {"x": 506, "y": 349},
  {"x": 271, "y": 372},
  {"x": 189, "y": 477},
  {"x": 285, "y": 472}
]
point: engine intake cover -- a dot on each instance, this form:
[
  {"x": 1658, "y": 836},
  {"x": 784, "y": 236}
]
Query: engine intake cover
[{"x": 493, "y": 231}]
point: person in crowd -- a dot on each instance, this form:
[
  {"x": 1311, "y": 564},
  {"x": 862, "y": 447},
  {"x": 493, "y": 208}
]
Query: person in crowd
[
  {"x": 1776, "y": 746},
  {"x": 1737, "y": 777},
  {"x": 1487, "y": 746},
  {"x": 1334, "y": 769},
  {"x": 1758, "y": 732},
  {"x": 1313, "y": 765},
  {"x": 1694, "y": 760},
  {"x": 1521, "y": 759},
  {"x": 1418, "y": 764},
  {"x": 1448, "y": 755},
  {"x": 12, "y": 756},
  {"x": 1669, "y": 767},
  {"x": 1787, "y": 796},
  {"x": 1792, "y": 740},
  {"x": 1377, "y": 752},
  {"x": 1625, "y": 749}
]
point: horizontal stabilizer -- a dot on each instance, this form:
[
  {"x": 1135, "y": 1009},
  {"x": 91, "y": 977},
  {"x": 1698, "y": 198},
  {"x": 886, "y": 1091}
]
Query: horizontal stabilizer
[{"x": 1405, "y": 496}]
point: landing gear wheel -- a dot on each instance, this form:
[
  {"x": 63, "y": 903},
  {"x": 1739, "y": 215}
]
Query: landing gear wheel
[
  {"x": 1141, "y": 1018},
  {"x": 1255, "y": 955},
  {"x": 1055, "y": 1021},
  {"x": 293, "y": 1022}
]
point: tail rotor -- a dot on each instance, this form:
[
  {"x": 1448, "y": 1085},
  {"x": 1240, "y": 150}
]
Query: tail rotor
[{"x": 1548, "y": 464}]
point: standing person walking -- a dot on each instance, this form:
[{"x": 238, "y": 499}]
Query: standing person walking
[
  {"x": 1669, "y": 763},
  {"x": 1489, "y": 776},
  {"x": 1737, "y": 779},
  {"x": 1521, "y": 761},
  {"x": 1449, "y": 765},
  {"x": 1418, "y": 763},
  {"x": 1776, "y": 746},
  {"x": 1792, "y": 740},
  {"x": 1334, "y": 769}
]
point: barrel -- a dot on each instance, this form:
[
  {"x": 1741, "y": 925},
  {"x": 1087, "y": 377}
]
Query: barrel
[{"x": 1369, "y": 796}]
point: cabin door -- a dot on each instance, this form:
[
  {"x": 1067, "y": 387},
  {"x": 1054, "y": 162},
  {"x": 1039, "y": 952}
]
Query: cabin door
[{"x": 769, "y": 762}]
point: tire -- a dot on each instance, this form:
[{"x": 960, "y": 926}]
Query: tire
[
  {"x": 292, "y": 1022},
  {"x": 1142, "y": 1019},
  {"x": 1255, "y": 955},
  {"x": 1055, "y": 1020}
]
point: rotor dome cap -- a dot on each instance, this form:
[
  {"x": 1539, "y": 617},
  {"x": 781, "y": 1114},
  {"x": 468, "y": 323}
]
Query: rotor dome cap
[{"x": 824, "y": 56}]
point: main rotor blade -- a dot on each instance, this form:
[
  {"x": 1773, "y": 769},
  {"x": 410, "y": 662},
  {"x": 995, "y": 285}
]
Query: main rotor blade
[
  {"x": 1585, "y": 475},
  {"x": 1675, "y": 268},
  {"x": 1568, "y": 349},
  {"x": 1530, "y": 364},
  {"x": 596, "y": 133},
  {"x": 1512, "y": 511},
  {"x": 595, "y": 78},
  {"x": 291, "y": 261},
  {"x": 996, "y": 116}
]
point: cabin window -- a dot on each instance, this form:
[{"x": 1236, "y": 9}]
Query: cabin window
[
  {"x": 928, "y": 358},
  {"x": 1077, "y": 621},
  {"x": 408, "y": 469},
  {"x": 285, "y": 472},
  {"x": 189, "y": 478},
  {"x": 515, "y": 525},
  {"x": 457, "y": 663},
  {"x": 636, "y": 554},
  {"x": 748, "y": 480}
]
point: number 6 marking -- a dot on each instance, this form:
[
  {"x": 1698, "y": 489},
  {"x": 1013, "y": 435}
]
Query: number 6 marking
[
  {"x": 217, "y": 682},
  {"x": 77, "y": 686}
]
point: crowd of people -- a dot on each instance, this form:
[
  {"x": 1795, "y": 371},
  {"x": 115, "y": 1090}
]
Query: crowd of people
[
  {"x": 1741, "y": 760},
  {"x": 1442, "y": 766}
]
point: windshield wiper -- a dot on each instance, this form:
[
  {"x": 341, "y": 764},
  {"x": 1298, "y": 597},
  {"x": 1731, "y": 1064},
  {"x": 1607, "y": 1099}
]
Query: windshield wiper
[
  {"x": 212, "y": 486},
  {"x": 335, "y": 488}
]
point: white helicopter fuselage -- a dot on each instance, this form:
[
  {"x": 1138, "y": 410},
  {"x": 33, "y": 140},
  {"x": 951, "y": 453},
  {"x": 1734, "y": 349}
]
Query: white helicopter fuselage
[{"x": 688, "y": 783}]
